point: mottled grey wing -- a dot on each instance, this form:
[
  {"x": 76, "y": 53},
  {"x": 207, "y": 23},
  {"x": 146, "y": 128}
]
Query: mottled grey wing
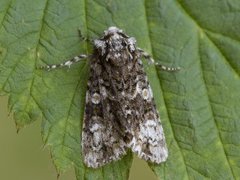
[
  {"x": 102, "y": 140},
  {"x": 144, "y": 129}
]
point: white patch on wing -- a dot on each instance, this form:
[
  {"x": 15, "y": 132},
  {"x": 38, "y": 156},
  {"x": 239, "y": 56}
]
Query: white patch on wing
[
  {"x": 103, "y": 92},
  {"x": 95, "y": 126},
  {"x": 96, "y": 98},
  {"x": 149, "y": 142},
  {"x": 128, "y": 112},
  {"x": 104, "y": 147},
  {"x": 148, "y": 132},
  {"x": 97, "y": 131},
  {"x": 139, "y": 87},
  {"x": 145, "y": 94}
]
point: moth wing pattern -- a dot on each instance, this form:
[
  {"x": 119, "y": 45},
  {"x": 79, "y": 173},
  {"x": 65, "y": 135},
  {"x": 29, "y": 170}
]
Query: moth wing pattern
[
  {"x": 120, "y": 112},
  {"x": 145, "y": 131},
  {"x": 102, "y": 141}
]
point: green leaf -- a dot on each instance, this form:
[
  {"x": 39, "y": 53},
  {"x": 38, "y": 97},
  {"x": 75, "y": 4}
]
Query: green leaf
[{"x": 198, "y": 105}]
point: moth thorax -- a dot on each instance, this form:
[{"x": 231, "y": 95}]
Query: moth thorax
[
  {"x": 116, "y": 42},
  {"x": 118, "y": 59}
]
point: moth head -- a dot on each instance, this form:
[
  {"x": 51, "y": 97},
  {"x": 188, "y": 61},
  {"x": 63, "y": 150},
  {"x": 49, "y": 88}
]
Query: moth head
[
  {"x": 114, "y": 44},
  {"x": 112, "y": 30}
]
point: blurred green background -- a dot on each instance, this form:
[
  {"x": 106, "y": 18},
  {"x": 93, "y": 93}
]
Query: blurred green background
[{"x": 22, "y": 156}]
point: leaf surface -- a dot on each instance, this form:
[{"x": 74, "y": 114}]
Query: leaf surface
[{"x": 198, "y": 105}]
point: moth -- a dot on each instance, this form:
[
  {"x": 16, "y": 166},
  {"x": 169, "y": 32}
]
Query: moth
[{"x": 120, "y": 112}]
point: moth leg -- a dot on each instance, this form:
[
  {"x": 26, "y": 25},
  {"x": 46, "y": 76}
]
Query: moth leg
[
  {"x": 151, "y": 61},
  {"x": 66, "y": 63},
  {"x": 146, "y": 55},
  {"x": 84, "y": 38}
]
